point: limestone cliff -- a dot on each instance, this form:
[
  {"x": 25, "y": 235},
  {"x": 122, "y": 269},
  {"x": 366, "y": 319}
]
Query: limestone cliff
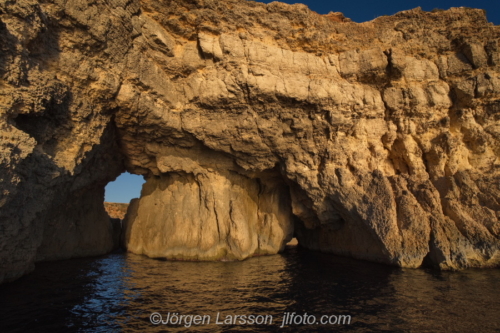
[
  {"x": 116, "y": 210},
  {"x": 209, "y": 216},
  {"x": 376, "y": 140}
]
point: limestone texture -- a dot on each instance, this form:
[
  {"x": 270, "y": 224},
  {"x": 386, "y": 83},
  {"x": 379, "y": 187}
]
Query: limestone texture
[
  {"x": 251, "y": 123},
  {"x": 116, "y": 210},
  {"x": 213, "y": 215}
]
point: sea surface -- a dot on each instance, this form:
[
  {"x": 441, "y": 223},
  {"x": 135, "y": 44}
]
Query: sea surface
[{"x": 120, "y": 292}]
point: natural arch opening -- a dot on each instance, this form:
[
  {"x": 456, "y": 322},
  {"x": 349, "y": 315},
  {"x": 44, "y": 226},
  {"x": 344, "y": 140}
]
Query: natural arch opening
[
  {"x": 117, "y": 196},
  {"x": 210, "y": 214},
  {"x": 120, "y": 192},
  {"x": 125, "y": 188}
]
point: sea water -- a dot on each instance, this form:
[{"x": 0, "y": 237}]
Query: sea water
[{"x": 296, "y": 291}]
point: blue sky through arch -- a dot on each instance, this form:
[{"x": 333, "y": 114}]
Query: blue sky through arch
[{"x": 126, "y": 187}]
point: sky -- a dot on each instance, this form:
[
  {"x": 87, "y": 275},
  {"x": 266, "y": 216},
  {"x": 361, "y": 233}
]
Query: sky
[
  {"x": 127, "y": 186},
  {"x": 124, "y": 188},
  {"x": 367, "y": 10}
]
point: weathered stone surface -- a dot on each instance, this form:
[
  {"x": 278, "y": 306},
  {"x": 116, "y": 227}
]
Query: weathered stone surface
[
  {"x": 385, "y": 133},
  {"x": 209, "y": 216},
  {"x": 58, "y": 147},
  {"x": 80, "y": 227},
  {"x": 116, "y": 210}
]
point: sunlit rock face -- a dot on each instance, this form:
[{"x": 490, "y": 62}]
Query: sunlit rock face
[
  {"x": 384, "y": 135},
  {"x": 381, "y": 130},
  {"x": 209, "y": 216},
  {"x": 58, "y": 145}
]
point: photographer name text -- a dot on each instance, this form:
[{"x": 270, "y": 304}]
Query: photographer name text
[{"x": 288, "y": 319}]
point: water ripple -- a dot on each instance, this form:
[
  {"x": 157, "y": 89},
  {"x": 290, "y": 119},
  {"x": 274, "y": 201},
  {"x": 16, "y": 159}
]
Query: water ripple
[{"x": 118, "y": 293}]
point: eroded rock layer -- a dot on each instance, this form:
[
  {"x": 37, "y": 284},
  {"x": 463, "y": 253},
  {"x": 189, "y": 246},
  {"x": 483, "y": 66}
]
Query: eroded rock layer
[
  {"x": 116, "y": 210},
  {"x": 384, "y": 133},
  {"x": 212, "y": 215}
]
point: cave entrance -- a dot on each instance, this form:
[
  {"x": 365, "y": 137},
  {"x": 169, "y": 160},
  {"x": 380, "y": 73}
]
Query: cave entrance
[
  {"x": 209, "y": 214},
  {"x": 118, "y": 194}
]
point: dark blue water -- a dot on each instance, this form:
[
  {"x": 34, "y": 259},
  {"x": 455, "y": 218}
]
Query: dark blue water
[{"x": 119, "y": 292}]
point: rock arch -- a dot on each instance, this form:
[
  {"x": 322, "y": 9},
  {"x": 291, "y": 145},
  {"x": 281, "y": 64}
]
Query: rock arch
[{"x": 380, "y": 137}]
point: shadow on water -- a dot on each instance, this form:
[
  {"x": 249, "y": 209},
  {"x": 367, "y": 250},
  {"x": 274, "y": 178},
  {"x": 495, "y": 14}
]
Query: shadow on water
[{"x": 119, "y": 292}]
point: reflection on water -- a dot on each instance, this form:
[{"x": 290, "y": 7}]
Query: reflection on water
[{"x": 118, "y": 293}]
